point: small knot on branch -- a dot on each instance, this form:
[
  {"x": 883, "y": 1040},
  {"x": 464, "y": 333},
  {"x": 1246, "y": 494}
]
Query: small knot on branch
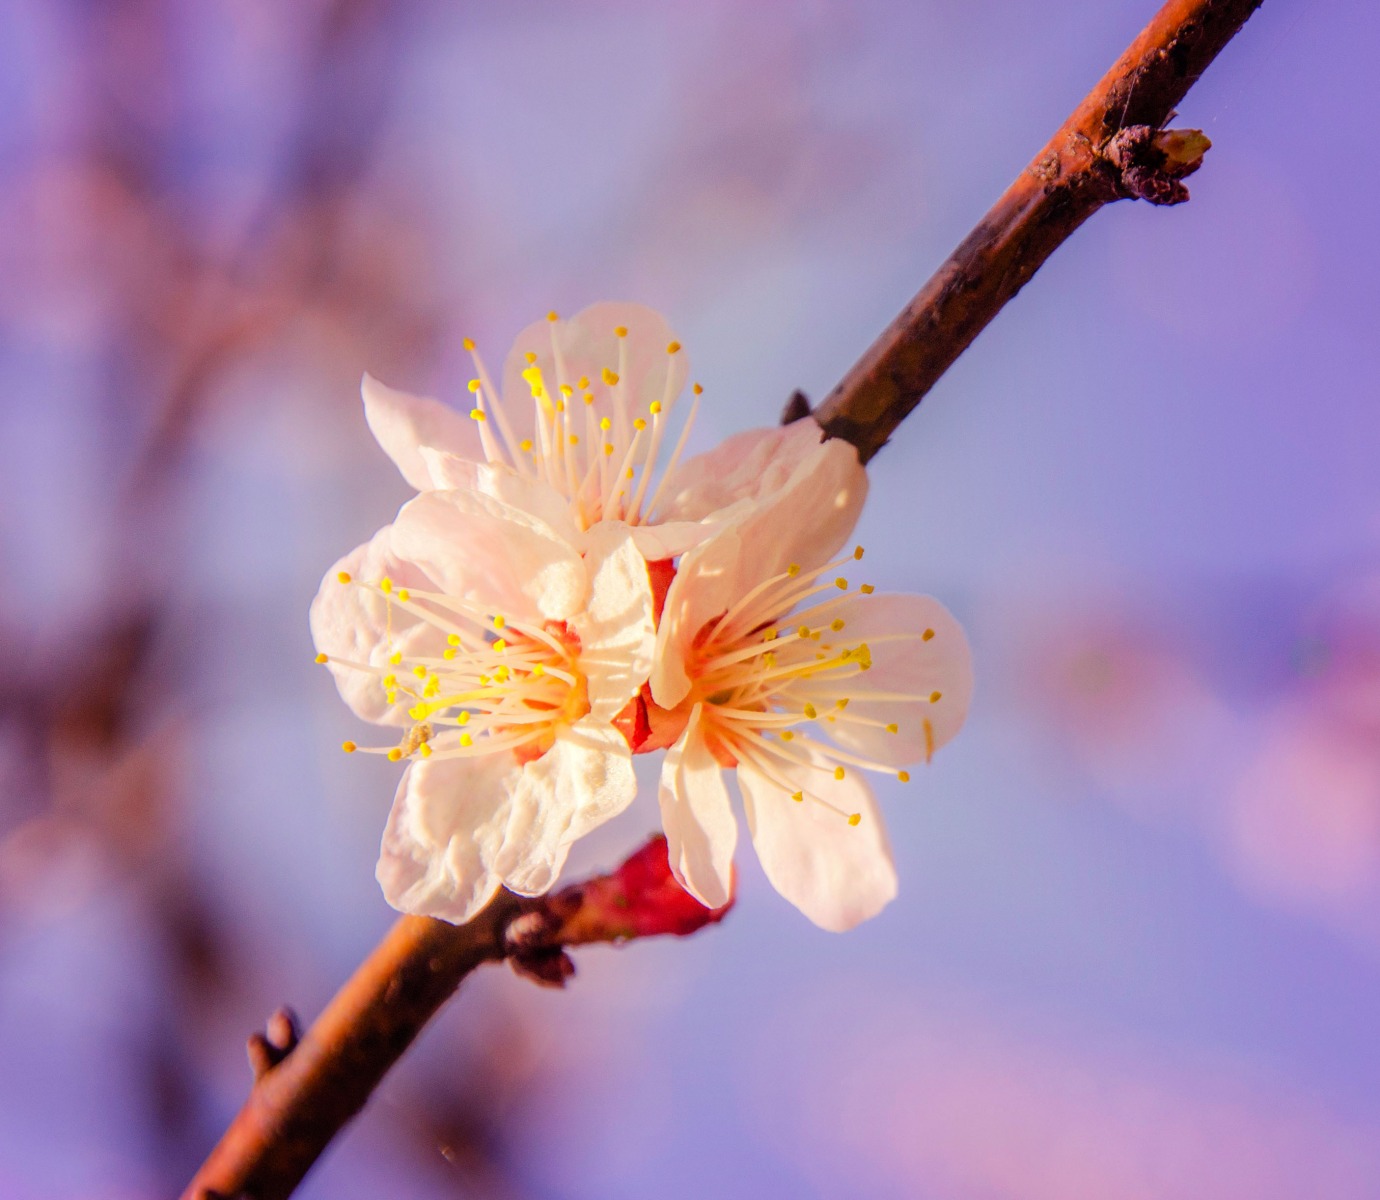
[
  {"x": 1150, "y": 162},
  {"x": 797, "y": 408},
  {"x": 280, "y": 1037}
]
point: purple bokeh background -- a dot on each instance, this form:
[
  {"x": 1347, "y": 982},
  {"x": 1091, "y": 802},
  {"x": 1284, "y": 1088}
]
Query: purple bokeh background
[{"x": 1136, "y": 954}]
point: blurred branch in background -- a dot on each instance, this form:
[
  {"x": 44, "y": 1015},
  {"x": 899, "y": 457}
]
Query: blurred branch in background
[{"x": 1109, "y": 148}]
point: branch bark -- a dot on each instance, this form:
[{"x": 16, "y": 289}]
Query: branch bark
[
  {"x": 306, "y": 1090},
  {"x": 1111, "y": 148}
]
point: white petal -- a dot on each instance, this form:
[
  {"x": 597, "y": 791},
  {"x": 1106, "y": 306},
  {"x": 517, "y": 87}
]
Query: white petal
[
  {"x": 582, "y": 781},
  {"x": 402, "y": 424},
  {"x": 701, "y": 831},
  {"x": 447, "y": 827},
  {"x": 499, "y": 557},
  {"x": 942, "y": 665},
  {"x": 589, "y": 346},
  {"x": 533, "y": 496},
  {"x": 360, "y": 625},
  {"x": 617, "y": 630},
  {"x": 746, "y": 466},
  {"x": 670, "y": 539},
  {"x": 805, "y": 523},
  {"x": 836, "y": 874}
]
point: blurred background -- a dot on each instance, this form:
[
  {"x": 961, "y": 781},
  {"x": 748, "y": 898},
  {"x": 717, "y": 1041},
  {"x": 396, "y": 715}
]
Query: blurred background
[{"x": 1136, "y": 954}]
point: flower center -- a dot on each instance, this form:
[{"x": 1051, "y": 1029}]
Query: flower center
[
  {"x": 593, "y": 442},
  {"x": 502, "y": 684}
]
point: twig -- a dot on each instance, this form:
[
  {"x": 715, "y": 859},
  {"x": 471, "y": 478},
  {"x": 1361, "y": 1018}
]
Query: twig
[
  {"x": 1111, "y": 148},
  {"x": 306, "y": 1090}
]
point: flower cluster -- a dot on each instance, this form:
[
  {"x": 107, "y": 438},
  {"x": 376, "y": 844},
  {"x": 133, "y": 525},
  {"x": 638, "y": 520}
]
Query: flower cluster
[{"x": 553, "y": 601}]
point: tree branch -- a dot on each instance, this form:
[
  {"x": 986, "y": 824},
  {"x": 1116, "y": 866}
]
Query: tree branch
[
  {"x": 306, "y": 1090},
  {"x": 1111, "y": 148}
]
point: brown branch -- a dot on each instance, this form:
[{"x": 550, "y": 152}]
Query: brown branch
[
  {"x": 1111, "y": 148},
  {"x": 306, "y": 1090}
]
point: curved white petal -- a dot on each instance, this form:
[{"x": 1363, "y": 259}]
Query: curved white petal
[
  {"x": 670, "y": 539},
  {"x": 588, "y": 346},
  {"x": 359, "y": 625},
  {"x": 498, "y": 556},
  {"x": 746, "y": 466},
  {"x": 583, "y": 780},
  {"x": 701, "y": 831},
  {"x": 617, "y": 630},
  {"x": 941, "y": 665},
  {"x": 533, "y": 496},
  {"x": 448, "y": 826},
  {"x": 837, "y": 874},
  {"x": 804, "y": 522},
  {"x": 402, "y": 424}
]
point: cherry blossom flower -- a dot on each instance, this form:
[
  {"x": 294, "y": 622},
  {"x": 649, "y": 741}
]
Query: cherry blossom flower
[
  {"x": 504, "y": 655},
  {"x": 797, "y": 652},
  {"x": 576, "y": 431}
]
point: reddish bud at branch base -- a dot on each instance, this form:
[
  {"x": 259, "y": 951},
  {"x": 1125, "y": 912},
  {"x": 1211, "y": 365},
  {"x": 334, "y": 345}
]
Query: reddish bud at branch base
[{"x": 641, "y": 898}]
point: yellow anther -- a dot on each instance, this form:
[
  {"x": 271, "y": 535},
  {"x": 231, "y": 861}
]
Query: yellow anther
[
  {"x": 390, "y": 681},
  {"x": 419, "y": 672},
  {"x": 474, "y": 385},
  {"x": 605, "y": 423},
  {"x": 620, "y": 331},
  {"x": 466, "y": 740},
  {"x": 609, "y": 377},
  {"x": 552, "y": 316},
  {"x": 453, "y": 639},
  {"x": 793, "y": 570},
  {"x": 608, "y": 449},
  {"x": 502, "y": 674},
  {"x": 836, "y": 624},
  {"x": 935, "y": 697},
  {"x": 903, "y": 776},
  {"x": 867, "y": 589},
  {"x": 811, "y": 712},
  {"x": 404, "y": 595},
  {"x": 394, "y": 754},
  {"x": 486, "y": 680},
  {"x": 893, "y": 728},
  {"x": 838, "y": 772},
  {"x": 348, "y": 747},
  {"x": 841, "y": 583},
  {"x": 769, "y": 636},
  {"x": 769, "y": 659},
  {"x": 654, "y": 408},
  {"x": 424, "y": 750},
  {"x": 321, "y": 658},
  {"x": 854, "y": 818},
  {"x": 531, "y": 358},
  {"x": 857, "y": 552},
  {"x": 672, "y": 347},
  {"x": 538, "y": 670},
  {"x": 582, "y": 382},
  {"x": 567, "y": 391},
  {"x": 344, "y": 577},
  {"x": 525, "y": 445},
  {"x": 417, "y": 712},
  {"x": 787, "y": 735},
  {"x": 588, "y": 397},
  {"x": 463, "y": 718},
  {"x": 500, "y": 646},
  {"x": 925, "y": 637},
  {"x": 395, "y": 658},
  {"x": 500, "y": 621},
  {"x": 630, "y": 473},
  {"x": 841, "y": 703},
  {"x": 803, "y": 631},
  {"x": 468, "y": 343},
  {"x": 639, "y": 424},
  {"x": 797, "y": 796},
  {"x": 697, "y": 389},
  {"x": 385, "y": 584},
  {"x": 391, "y": 697},
  {"x": 560, "y": 406},
  {"x": 477, "y": 414}
]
